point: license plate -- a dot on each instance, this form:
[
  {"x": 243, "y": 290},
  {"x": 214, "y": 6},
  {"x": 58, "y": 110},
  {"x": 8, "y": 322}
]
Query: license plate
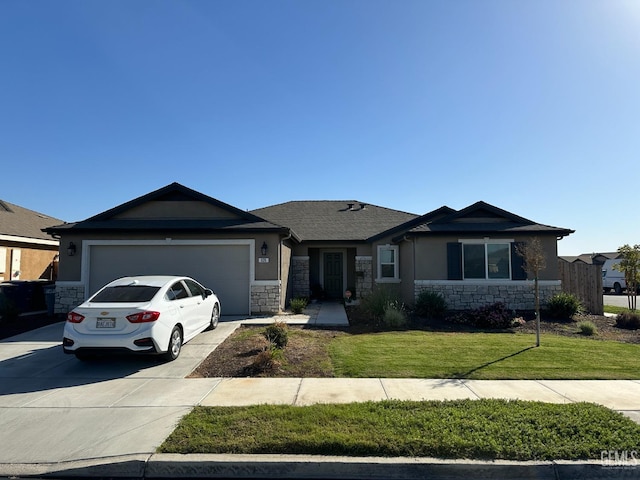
[{"x": 106, "y": 323}]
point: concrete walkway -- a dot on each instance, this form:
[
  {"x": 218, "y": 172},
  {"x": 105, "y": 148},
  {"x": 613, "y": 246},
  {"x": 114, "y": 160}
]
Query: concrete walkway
[{"x": 55, "y": 409}]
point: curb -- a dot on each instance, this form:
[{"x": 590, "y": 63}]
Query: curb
[{"x": 195, "y": 466}]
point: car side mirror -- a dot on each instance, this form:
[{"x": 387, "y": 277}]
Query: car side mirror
[{"x": 207, "y": 292}]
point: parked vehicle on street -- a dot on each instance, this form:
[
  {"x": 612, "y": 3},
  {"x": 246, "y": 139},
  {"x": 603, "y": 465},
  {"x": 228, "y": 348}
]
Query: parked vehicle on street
[
  {"x": 613, "y": 279},
  {"x": 144, "y": 314}
]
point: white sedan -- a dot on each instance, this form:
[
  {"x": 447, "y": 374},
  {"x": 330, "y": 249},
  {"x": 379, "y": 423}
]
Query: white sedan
[{"x": 146, "y": 314}]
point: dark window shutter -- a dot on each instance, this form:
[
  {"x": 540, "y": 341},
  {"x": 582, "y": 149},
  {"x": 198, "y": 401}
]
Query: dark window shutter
[
  {"x": 454, "y": 261},
  {"x": 517, "y": 263}
]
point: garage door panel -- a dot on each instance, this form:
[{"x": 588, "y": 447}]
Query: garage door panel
[{"x": 223, "y": 268}]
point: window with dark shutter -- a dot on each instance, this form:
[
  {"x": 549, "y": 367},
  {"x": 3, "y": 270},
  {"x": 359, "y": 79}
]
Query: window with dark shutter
[
  {"x": 517, "y": 263},
  {"x": 454, "y": 261}
]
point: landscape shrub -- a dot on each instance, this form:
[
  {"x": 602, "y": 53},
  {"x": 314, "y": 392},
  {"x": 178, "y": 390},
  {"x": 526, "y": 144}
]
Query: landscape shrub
[
  {"x": 277, "y": 334},
  {"x": 297, "y": 305},
  {"x": 267, "y": 360},
  {"x": 376, "y": 303},
  {"x": 563, "y": 306},
  {"x": 430, "y": 305},
  {"x": 494, "y": 316},
  {"x": 394, "y": 315},
  {"x": 587, "y": 328},
  {"x": 628, "y": 320}
]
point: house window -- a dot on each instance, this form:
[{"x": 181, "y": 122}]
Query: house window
[
  {"x": 486, "y": 260},
  {"x": 388, "y": 262}
]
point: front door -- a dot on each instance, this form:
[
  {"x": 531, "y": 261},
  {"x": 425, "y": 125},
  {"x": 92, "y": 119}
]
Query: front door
[{"x": 333, "y": 272}]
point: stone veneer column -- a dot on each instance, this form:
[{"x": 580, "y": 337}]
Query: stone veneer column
[
  {"x": 364, "y": 276},
  {"x": 68, "y": 297},
  {"x": 265, "y": 297},
  {"x": 300, "y": 276}
]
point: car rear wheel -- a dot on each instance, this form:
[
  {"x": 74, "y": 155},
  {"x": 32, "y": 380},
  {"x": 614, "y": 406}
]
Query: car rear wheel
[
  {"x": 175, "y": 344},
  {"x": 215, "y": 317},
  {"x": 617, "y": 288}
]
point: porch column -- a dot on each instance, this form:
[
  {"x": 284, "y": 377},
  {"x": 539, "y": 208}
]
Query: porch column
[
  {"x": 364, "y": 275},
  {"x": 300, "y": 281}
]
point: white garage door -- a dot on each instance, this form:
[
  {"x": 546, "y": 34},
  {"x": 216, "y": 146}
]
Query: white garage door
[{"x": 223, "y": 268}]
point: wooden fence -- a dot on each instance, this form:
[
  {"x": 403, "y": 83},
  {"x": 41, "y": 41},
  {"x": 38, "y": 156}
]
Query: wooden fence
[{"x": 585, "y": 282}]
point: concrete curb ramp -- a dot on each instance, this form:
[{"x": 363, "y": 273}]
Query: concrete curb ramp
[{"x": 162, "y": 466}]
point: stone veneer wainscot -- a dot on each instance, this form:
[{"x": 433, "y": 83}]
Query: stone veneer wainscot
[
  {"x": 68, "y": 297},
  {"x": 516, "y": 295}
]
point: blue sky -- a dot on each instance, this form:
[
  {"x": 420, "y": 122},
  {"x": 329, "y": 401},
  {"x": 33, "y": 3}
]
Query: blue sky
[{"x": 531, "y": 105}]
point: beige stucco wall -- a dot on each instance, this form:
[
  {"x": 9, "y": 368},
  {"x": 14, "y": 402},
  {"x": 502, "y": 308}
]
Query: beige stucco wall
[
  {"x": 34, "y": 261},
  {"x": 406, "y": 267},
  {"x": 285, "y": 261}
]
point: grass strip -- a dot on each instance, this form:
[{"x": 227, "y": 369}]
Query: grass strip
[
  {"x": 473, "y": 429},
  {"x": 616, "y": 310},
  {"x": 419, "y": 354}
]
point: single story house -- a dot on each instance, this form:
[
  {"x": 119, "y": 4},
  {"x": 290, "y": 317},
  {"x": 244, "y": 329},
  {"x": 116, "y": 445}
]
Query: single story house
[
  {"x": 26, "y": 253},
  {"x": 257, "y": 261}
]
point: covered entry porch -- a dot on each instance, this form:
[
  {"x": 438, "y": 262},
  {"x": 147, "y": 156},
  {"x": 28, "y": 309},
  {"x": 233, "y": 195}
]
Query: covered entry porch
[{"x": 327, "y": 272}]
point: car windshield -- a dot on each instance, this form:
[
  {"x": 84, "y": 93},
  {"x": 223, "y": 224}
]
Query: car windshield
[{"x": 126, "y": 293}]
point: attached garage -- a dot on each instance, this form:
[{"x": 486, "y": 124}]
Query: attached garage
[
  {"x": 177, "y": 231},
  {"x": 224, "y": 267}
]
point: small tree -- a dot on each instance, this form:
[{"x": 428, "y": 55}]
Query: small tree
[
  {"x": 630, "y": 266},
  {"x": 534, "y": 262}
]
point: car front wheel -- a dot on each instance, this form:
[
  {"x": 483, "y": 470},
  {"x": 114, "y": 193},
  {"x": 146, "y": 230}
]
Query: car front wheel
[
  {"x": 215, "y": 317},
  {"x": 175, "y": 344}
]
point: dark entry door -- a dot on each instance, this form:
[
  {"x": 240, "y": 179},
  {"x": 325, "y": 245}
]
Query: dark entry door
[{"x": 333, "y": 275}]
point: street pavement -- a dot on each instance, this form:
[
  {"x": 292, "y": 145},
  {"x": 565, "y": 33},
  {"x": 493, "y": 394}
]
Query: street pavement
[
  {"x": 616, "y": 300},
  {"x": 55, "y": 409}
]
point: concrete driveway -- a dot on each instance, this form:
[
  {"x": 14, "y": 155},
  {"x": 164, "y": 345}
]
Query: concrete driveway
[{"x": 54, "y": 408}]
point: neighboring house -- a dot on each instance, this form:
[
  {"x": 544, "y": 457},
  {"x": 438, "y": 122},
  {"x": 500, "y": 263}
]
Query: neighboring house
[
  {"x": 590, "y": 258},
  {"x": 26, "y": 253},
  {"x": 256, "y": 261}
]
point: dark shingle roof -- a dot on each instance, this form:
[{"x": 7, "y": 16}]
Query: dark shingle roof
[
  {"x": 17, "y": 221},
  {"x": 108, "y": 221},
  {"x": 333, "y": 220},
  {"x": 188, "y": 225},
  {"x": 482, "y": 218}
]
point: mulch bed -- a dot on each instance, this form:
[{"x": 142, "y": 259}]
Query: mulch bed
[{"x": 304, "y": 355}]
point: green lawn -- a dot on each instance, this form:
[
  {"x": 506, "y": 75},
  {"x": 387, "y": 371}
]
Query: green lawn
[
  {"x": 479, "y": 429},
  {"x": 616, "y": 310},
  {"x": 419, "y": 354}
]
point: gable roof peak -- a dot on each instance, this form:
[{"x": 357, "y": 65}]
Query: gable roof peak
[
  {"x": 179, "y": 191},
  {"x": 482, "y": 206}
]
